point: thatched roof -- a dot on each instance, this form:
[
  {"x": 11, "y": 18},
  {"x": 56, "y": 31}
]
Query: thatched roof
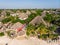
[
  {"x": 1, "y": 24},
  {"x": 36, "y": 20},
  {"x": 18, "y": 11},
  {"x": 28, "y": 12},
  {"x": 16, "y": 25},
  {"x": 3, "y": 12},
  {"x": 23, "y": 16}
]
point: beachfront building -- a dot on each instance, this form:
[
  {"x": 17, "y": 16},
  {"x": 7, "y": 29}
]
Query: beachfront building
[
  {"x": 2, "y": 27},
  {"x": 37, "y": 20},
  {"x": 28, "y": 12},
  {"x": 19, "y": 28},
  {"x": 23, "y": 16},
  {"x": 3, "y": 13},
  {"x": 14, "y": 14},
  {"x": 33, "y": 11},
  {"x": 16, "y": 25},
  {"x": 8, "y": 25}
]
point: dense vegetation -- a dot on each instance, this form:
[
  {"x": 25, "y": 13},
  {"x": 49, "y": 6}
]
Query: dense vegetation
[
  {"x": 56, "y": 20},
  {"x": 39, "y": 11},
  {"x": 41, "y": 31},
  {"x": 48, "y": 17},
  {"x": 15, "y": 19},
  {"x": 12, "y": 19}
]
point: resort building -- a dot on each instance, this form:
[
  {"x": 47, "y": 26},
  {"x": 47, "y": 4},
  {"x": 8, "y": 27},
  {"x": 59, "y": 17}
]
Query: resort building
[{"x": 23, "y": 16}]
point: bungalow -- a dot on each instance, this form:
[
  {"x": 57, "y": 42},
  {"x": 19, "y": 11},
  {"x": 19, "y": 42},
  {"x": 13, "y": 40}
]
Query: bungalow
[
  {"x": 1, "y": 25},
  {"x": 1, "y": 18},
  {"x": 3, "y": 13},
  {"x": 19, "y": 28},
  {"x": 10, "y": 11},
  {"x": 57, "y": 12},
  {"x": 23, "y": 16},
  {"x": 37, "y": 20},
  {"x": 13, "y": 14},
  {"x": 8, "y": 25},
  {"x": 18, "y": 11},
  {"x": 21, "y": 33},
  {"x": 43, "y": 14},
  {"x": 33, "y": 11},
  {"x": 28, "y": 12},
  {"x": 16, "y": 25}
]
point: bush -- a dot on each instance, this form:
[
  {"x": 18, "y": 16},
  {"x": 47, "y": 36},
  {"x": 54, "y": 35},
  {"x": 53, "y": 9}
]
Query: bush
[
  {"x": 27, "y": 33},
  {"x": 17, "y": 20},
  {"x": 48, "y": 17},
  {"x": 6, "y": 20},
  {"x": 53, "y": 28},
  {"x": 39, "y": 11},
  {"x": 1, "y": 33},
  {"x": 7, "y": 14}
]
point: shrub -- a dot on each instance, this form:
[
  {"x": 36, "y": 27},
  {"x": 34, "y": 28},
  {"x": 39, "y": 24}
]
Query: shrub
[
  {"x": 6, "y": 20},
  {"x": 1, "y": 33},
  {"x": 48, "y": 17}
]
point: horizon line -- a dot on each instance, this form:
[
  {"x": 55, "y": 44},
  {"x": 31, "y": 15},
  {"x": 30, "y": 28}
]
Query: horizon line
[{"x": 29, "y": 8}]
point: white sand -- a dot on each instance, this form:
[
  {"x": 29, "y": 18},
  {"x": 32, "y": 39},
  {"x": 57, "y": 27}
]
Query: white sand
[
  {"x": 30, "y": 41},
  {"x": 4, "y": 40}
]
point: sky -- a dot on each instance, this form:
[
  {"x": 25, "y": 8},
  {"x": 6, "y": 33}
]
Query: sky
[{"x": 24, "y": 4}]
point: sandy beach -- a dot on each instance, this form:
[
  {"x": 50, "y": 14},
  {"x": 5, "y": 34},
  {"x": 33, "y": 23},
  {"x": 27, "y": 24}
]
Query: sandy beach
[{"x": 30, "y": 41}]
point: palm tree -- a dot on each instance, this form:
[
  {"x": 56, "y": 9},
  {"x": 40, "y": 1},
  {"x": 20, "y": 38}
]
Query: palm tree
[
  {"x": 48, "y": 17},
  {"x": 53, "y": 28},
  {"x": 30, "y": 29},
  {"x": 43, "y": 31}
]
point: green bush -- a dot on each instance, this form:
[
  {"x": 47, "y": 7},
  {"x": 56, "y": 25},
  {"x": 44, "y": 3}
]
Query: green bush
[
  {"x": 13, "y": 20},
  {"x": 39, "y": 11},
  {"x": 48, "y": 17},
  {"x": 53, "y": 28},
  {"x": 7, "y": 14},
  {"x": 6, "y": 20},
  {"x": 1, "y": 33},
  {"x": 27, "y": 33}
]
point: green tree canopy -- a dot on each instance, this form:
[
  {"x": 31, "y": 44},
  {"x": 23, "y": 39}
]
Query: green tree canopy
[{"x": 48, "y": 17}]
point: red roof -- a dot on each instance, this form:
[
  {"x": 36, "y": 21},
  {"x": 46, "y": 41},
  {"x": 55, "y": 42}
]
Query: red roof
[{"x": 20, "y": 28}]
